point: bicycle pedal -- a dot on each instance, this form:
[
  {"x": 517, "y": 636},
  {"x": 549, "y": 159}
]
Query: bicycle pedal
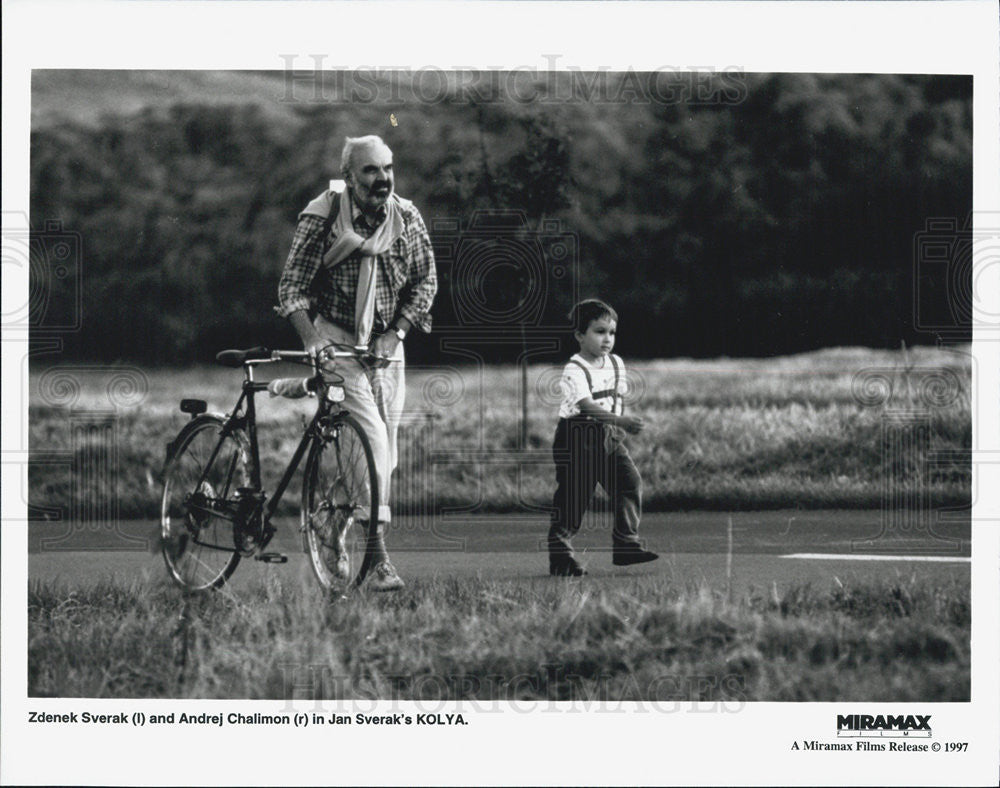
[{"x": 272, "y": 558}]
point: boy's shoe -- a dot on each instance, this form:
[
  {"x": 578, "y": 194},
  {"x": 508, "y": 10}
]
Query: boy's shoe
[
  {"x": 565, "y": 566},
  {"x": 384, "y": 578},
  {"x": 626, "y": 556}
]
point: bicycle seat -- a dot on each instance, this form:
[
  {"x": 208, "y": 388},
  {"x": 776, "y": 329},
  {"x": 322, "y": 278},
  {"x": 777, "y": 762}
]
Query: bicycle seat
[{"x": 236, "y": 358}]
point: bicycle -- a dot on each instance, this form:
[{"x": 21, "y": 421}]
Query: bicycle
[{"x": 214, "y": 510}]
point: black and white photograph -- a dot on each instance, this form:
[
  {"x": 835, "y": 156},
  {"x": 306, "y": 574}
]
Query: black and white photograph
[{"x": 368, "y": 391}]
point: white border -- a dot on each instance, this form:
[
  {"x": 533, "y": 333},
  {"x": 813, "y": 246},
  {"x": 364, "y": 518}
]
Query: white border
[{"x": 749, "y": 747}]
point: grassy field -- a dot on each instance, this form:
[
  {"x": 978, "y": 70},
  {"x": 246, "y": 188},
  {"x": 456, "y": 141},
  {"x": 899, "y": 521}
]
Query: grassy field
[
  {"x": 638, "y": 639},
  {"x": 809, "y": 431},
  {"x": 822, "y": 430}
]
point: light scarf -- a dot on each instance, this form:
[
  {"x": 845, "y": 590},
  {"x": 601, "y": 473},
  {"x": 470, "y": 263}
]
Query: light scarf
[{"x": 347, "y": 241}]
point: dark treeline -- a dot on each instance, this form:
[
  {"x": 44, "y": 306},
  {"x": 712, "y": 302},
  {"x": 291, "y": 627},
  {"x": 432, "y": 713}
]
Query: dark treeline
[{"x": 770, "y": 214}]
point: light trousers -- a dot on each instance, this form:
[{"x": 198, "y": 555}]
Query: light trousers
[{"x": 375, "y": 397}]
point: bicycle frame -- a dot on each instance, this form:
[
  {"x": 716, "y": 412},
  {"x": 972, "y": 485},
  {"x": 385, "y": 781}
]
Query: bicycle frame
[
  {"x": 255, "y": 515},
  {"x": 247, "y": 421}
]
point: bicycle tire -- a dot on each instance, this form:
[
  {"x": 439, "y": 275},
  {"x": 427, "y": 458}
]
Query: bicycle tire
[
  {"x": 198, "y": 548},
  {"x": 339, "y": 487}
]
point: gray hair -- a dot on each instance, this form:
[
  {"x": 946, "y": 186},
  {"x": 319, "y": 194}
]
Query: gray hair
[{"x": 350, "y": 143}]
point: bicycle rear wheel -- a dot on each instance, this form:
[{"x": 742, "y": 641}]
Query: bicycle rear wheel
[
  {"x": 201, "y": 474},
  {"x": 340, "y": 504}
]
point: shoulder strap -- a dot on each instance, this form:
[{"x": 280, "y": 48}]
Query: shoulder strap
[
  {"x": 590, "y": 382},
  {"x": 617, "y": 397}
]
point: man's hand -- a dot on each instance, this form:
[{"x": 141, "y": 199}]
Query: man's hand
[
  {"x": 315, "y": 346},
  {"x": 312, "y": 342},
  {"x": 631, "y": 424},
  {"x": 322, "y": 349},
  {"x": 384, "y": 347}
]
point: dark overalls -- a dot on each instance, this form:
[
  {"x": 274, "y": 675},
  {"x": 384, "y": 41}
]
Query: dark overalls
[{"x": 588, "y": 452}]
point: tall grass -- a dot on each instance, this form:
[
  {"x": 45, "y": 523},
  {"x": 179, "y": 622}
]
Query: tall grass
[
  {"x": 806, "y": 431},
  {"x": 643, "y": 639}
]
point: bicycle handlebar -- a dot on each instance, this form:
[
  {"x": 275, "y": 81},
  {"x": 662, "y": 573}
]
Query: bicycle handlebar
[
  {"x": 260, "y": 355},
  {"x": 305, "y": 355},
  {"x": 294, "y": 388},
  {"x": 361, "y": 353}
]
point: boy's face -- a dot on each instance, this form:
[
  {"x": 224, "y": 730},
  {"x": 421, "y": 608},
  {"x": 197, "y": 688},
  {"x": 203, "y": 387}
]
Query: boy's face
[{"x": 599, "y": 339}]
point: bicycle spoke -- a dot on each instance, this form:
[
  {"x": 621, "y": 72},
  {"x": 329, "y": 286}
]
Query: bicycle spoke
[
  {"x": 208, "y": 568},
  {"x": 337, "y": 506},
  {"x": 197, "y": 458},
  {"x": 199, "y": 545},
  {"x": 229, "y": 474}
]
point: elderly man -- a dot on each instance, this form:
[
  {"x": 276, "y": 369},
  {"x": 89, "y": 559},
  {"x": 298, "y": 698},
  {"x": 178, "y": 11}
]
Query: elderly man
[{"x": 361, "y": 272}]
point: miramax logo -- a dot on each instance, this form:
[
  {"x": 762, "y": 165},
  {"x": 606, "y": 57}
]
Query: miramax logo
[{"x": 884, "y": 725}]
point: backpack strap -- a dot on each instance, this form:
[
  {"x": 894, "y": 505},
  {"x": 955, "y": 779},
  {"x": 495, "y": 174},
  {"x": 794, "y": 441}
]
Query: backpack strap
[{"x": 330, "y": 219}]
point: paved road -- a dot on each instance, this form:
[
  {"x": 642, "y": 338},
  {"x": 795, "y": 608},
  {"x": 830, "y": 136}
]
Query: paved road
[{"x": 694, "y": 547}]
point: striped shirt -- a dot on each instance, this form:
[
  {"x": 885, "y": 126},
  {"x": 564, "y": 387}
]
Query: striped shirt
[{"x": 405, "y": 284}]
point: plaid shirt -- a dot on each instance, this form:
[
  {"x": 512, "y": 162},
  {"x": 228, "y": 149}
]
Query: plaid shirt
[{"x": 406, "y": 279}]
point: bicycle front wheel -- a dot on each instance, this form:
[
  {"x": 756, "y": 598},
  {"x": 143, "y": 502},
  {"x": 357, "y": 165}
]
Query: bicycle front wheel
[
  {"x": 202, "y": 474},
  {"x": 340, "y": 503}
]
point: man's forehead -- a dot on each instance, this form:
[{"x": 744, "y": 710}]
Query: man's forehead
[{"x": 371, "y": 153}]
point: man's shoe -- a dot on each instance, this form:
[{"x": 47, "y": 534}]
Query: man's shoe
[
  {"x": 384, "y": 578},
  {"x": 632, "y": 555},
  {"x": 565, "y": 566}
]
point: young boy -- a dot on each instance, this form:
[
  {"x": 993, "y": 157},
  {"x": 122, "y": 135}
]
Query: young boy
[{"x": 589, "y": 445}]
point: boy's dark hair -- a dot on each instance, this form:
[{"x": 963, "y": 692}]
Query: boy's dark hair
[{"x": 583, "y": 313}]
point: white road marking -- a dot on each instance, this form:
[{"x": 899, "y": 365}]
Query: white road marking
[{"x": 869, "y": 557}]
